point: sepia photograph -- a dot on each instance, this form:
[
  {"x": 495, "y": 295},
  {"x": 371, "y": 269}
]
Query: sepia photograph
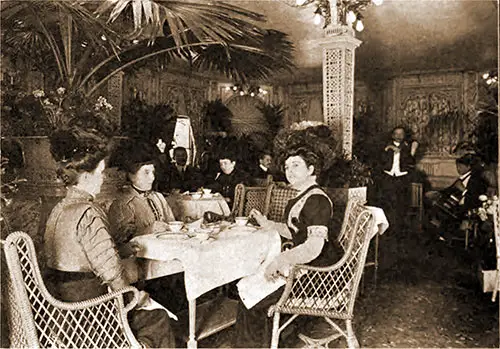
[{"x": 249, "y": 174}]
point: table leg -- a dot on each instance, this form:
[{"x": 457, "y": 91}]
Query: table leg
[
  {"x": 376, "y": 259},
  {"x": 192, "y": 344}
]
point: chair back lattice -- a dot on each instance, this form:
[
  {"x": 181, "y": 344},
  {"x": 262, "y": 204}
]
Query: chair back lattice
[
  {"x": 331, "y": 291},
  {"x": 250, "y": 198},
  {"x": 38, "y": 320},
  {"x": 276, "y": 202}
]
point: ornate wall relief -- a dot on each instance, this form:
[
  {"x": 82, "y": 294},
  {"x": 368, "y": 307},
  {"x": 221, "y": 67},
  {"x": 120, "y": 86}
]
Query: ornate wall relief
[
  {"x": 304, "y": 102},
  {"x": 439, "y": 109},
  {"x": 186, "y": 94}
]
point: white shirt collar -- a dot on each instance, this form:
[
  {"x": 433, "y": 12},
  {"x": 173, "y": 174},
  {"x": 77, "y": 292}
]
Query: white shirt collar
[
  {"x": 397, "y": 144},
  {"x": 264, "y": 168},
  {"x": 465, "y": 175}
]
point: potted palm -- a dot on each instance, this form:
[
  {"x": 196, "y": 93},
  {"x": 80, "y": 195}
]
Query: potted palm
[{"x": 348, "y": 179}]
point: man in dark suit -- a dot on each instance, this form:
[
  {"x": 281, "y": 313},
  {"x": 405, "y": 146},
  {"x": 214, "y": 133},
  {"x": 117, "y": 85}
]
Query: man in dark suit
[
  {"x": 451, "y": 205},
  {"x": 395, "y": 164},
  {"x": 182, "y": 176}
]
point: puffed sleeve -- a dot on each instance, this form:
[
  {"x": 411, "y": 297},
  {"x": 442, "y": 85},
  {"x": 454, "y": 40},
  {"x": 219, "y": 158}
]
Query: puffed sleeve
[
  {"x": 122, "y": 221},
  {"x": 98, "y": 246}
]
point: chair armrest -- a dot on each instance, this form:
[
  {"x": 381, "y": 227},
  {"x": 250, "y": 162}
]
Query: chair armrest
[{"x": 99, "y": 300}]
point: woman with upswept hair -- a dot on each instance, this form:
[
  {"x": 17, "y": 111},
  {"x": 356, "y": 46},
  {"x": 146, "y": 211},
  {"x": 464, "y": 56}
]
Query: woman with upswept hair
[
  {"x": 82, "y": 259},
  {"x": 307, "y": 228}
]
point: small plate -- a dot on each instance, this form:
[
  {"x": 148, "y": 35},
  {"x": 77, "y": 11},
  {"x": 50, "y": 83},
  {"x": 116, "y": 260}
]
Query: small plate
[{"x": 172, "y": 236}]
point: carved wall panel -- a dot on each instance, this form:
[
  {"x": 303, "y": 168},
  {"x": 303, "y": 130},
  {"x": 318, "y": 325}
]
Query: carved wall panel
[{"x": 187, "y": 94}]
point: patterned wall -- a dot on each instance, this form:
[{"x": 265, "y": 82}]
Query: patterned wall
[
  {"x": 436, "y": 107},
  {"x": 187, "y": 94}
]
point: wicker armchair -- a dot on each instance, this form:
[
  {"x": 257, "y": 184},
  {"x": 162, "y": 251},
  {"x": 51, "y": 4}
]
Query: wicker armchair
[
  {"x": 329, "y": 292},
  {"x": 276, "y": 202},
  {"x": 38, "y": 320},
  {"x": 248, "y": 198}
]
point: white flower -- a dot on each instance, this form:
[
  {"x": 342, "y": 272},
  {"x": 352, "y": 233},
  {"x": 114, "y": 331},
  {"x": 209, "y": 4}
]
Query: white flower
[
  {"x": 483, "y": 197},
  {"x": 61, "y": 90},
  {"x": 46, "y": 101},
  {"x": 38, "y": 93}
]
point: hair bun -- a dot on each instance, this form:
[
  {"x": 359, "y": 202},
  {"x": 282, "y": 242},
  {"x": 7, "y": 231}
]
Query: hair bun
[{"x": 62, "y": 145}]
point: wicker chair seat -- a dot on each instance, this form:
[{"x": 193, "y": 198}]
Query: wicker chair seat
[
  {"x": 36, "y": 319},
  {"x": 329, "y": 292}
]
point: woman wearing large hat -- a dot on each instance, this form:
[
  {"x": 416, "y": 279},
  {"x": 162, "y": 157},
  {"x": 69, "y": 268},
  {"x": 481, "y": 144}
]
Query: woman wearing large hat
[
  {"x": 138, "y": 209},
  {"x": 82, "y": 260}
]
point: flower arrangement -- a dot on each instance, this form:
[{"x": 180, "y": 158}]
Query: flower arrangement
[
  {"x": 43, "y": 112},
  {"x": 349, "y": 173},
  {"x": 487, "y": 207}
]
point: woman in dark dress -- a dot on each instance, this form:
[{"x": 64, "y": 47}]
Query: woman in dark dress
[
  {"x": 307, "y": 227},
  {"x": 82, "y": 259}
]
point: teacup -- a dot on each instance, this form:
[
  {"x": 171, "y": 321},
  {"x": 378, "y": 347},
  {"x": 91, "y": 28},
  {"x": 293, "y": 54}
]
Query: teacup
[
  {"x": 175, "y": 226},
  {"x": 196, "y": 195},
  {"x": 241, "y": 221},
  {"x": 206, "y": 191}
]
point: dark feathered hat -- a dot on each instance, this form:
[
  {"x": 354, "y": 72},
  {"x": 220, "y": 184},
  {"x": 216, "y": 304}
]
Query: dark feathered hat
[{"x": 130, "y": 154}]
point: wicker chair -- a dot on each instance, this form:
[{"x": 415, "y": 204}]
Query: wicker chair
[
  {"x": 416, "y": 204},
  {"x": 329, "y": 292},
  {"x": 38, "y": 320},
  {"x": 248, "y": 198},
  {"x": 276, "y": 202}
]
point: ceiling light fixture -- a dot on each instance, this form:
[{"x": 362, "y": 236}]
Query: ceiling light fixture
[{"x": 337, "y": 12}]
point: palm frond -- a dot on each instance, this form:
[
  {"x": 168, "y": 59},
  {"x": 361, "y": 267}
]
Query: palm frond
[{"x": 214, "y": 21}]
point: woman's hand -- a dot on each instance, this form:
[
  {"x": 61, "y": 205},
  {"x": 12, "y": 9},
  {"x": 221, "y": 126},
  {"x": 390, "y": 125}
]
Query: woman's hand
[
  {"x": 143, "y": 299},
  {"x": 278, "y": 267},
  {"x": 259, "y": 217}
]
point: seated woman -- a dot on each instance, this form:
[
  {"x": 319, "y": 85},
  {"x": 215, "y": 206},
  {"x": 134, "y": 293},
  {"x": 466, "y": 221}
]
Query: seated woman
[
  {"x": 309, "y": 217},
  {"x": 228, "y": 177},
  {"x": 138, "y": 209},
  {"x": 81, "y": 256}
]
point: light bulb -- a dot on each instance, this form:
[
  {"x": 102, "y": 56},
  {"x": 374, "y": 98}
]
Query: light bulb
[
  {"x": 235, "y": 88},
  {"x": 351, "y": 17},
  {"x": 317, "y": 19},
  {"x": 242, "y": 93},
  {"x": 228, "y": 88},
  {"x": 252, "y": 94},
  {"x": 103, "y": 37},
  {"x": 486, "y": 75},
  {"x": 378, "y": 2},
  {"x": 489, "y": 81},
  {"x": 261, "y": 90},
  {"x": 359, "y": 26},
  {"x": 300, "y": 2},
  {"x": 264, "y": 92}
]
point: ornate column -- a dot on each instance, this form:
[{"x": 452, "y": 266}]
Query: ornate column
[{"x": 339, "y": 45}]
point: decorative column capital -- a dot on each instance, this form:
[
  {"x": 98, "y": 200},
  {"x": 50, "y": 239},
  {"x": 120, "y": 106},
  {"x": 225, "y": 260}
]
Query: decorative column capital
[{"x": 337, "y": 35}]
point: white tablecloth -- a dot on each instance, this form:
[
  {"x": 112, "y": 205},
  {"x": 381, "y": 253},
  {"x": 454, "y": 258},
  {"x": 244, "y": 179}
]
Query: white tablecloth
[
  {"x": 381, "y": 222},
  {"x": 185, "y": 206},
  {"x": 236, "y": 253}
]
